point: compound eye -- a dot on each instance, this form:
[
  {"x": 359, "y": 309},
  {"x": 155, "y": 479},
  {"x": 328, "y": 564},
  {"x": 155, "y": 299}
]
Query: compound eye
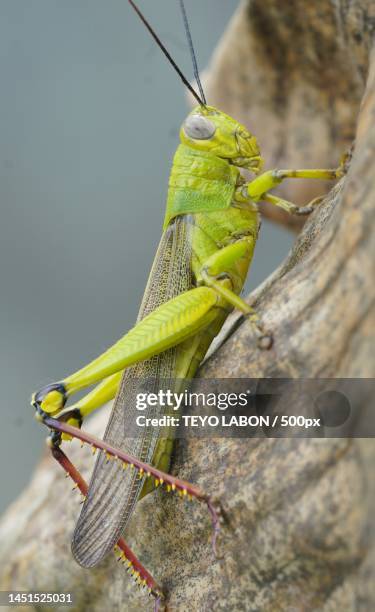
[{"x": 199, "y": 127}]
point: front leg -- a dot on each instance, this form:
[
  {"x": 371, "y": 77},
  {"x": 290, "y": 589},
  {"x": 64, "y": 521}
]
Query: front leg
[
  {"x": 256, "y": 189},
  {"x": 291, "y": 208}
]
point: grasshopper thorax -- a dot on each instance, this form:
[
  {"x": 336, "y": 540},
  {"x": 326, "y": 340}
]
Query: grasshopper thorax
[{"x": 208, "y": 129}]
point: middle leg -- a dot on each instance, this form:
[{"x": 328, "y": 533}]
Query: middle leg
[{"x": 216, "y": 273}]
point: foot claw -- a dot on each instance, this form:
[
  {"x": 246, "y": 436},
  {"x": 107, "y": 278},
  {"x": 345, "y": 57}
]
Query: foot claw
[
  {"x": 215, "y": 516},
  {"x": 265, "y": 342},
  {"x": 304, "y": 210}
]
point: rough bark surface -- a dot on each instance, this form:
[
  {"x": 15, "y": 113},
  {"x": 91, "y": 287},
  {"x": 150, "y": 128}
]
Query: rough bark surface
[{"x": 299, "y": 532}]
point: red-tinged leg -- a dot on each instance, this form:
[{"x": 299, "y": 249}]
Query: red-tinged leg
[
  {"x": 184, "y": 488},
  {"x": 142, "y": 576}
]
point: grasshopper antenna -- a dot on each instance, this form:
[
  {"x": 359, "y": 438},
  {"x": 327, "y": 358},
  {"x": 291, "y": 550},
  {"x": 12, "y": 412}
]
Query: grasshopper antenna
[
  {"x": 192, "y": 52},
  {"x": 202, "y": 101}
]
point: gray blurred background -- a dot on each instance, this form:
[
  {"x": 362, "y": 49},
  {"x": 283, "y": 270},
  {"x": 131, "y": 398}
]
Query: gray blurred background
[{"x": 89, "y": 118}]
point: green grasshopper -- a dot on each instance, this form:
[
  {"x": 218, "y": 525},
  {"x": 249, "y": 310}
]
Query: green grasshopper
[{"x": 210, "y": 229}]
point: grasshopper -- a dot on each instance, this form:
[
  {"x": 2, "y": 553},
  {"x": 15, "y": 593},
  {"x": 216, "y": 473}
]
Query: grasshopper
[{"x": 210, "y": 230}]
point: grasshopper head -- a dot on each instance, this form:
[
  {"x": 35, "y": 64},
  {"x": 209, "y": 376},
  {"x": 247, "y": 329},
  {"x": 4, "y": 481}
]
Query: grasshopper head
[{"x": 208, "y": 129}]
